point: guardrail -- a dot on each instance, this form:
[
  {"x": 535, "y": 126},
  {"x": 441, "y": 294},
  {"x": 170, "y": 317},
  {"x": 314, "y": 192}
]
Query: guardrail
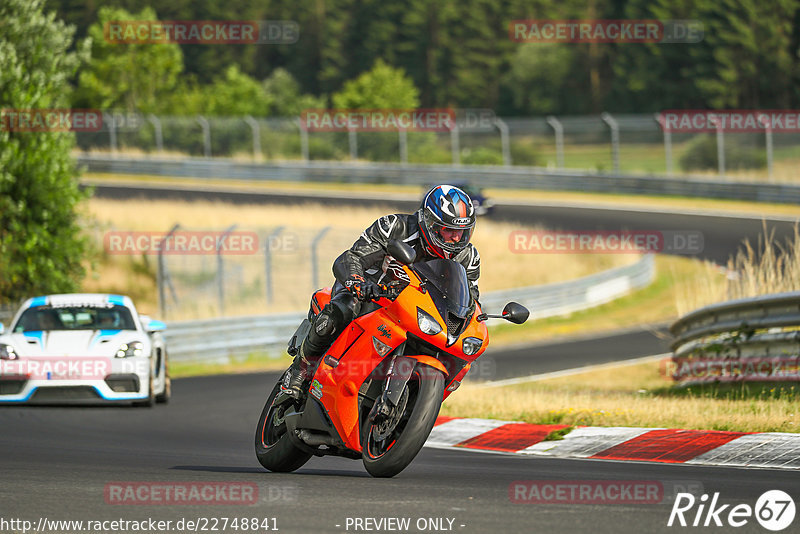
[
  {"x": 746, "y": 340},
  {"x": 218, "y": 339},
  {"x": 485, "y": 175}
]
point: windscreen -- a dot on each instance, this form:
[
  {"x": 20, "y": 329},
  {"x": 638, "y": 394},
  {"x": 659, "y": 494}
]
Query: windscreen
[
  {"x": 111, "y": 317},
  {"x": 450, "y": 285}
]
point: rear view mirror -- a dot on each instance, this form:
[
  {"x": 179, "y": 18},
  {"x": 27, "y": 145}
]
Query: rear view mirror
[
  {"x": 402, "y": 252},
  {"x": 515, "y": 313},
  {"x": 152, "y": 325}
]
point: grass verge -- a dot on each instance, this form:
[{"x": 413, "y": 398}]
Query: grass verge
[
  {"x": 654, "y": 304},
  {"x": 638, "y": 395},
  {"x": 256, "y": 362}
]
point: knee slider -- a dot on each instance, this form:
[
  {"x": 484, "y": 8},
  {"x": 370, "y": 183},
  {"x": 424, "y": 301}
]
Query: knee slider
[{"x": 329, "y": 321}]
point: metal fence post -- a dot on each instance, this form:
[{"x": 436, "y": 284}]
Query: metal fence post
[
  {"x": 221, "y": 269},
  {"x": 403, "y": 139},
  {"x": 156, "y": 122},
  {"x": 314, "y": 260},
  {"x": 268, "y": 261},
  {"x": 720, "y": 149},
  {"x": 112, "y": 131},
  {"x": 206, "y": 135},
  {"x": 503, "y": 127},
  {"x": 614, "y": 127},
  {"x": 667, "y": 141},
  {"x": 768, "y": 133},
  {"x": 455, "y": 148},
  {"x": 352, "y": 141},
  {"x": 256, "y": 136},
  {"x": 303, "y": 138},
  {"x": 559, "y": 131},
  {"x": 160, "y": 275}
]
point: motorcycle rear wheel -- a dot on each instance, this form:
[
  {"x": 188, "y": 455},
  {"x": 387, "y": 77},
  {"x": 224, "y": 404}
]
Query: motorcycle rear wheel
[
  {"x": 274, "y": 449},
  {"x": 387, "y": 451}
]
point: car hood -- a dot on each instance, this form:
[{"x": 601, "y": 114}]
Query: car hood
[{"x": 76, "y": 343}]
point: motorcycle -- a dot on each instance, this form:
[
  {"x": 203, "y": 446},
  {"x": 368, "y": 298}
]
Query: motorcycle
[{"x": 376, "y": 393}]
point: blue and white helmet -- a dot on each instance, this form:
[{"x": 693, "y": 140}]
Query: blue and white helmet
[{"x": 446, "y": 207}]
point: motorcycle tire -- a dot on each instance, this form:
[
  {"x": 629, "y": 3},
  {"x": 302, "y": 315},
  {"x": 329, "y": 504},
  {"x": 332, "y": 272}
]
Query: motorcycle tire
[
  {"x": 274, "y": 449},
  {"x": 387, "y": 455}
]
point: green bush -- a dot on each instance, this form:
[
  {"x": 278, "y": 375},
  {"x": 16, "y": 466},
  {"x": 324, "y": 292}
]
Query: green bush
[
  {"x": 481, "y": 156},
  {"x": 701, "y": 155}
]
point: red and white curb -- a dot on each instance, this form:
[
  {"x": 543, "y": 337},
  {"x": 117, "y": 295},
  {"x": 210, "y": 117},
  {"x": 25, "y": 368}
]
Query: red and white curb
[{"x": 694, "y": 447}]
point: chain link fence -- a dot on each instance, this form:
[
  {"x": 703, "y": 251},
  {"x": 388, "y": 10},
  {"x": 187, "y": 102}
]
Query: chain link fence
[
  {"x": 263, "y": 270},
  {"x": 605, "y": 143}
]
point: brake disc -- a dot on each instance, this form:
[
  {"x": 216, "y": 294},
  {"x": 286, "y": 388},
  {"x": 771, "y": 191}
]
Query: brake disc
[{"x": 384, "y": 428}]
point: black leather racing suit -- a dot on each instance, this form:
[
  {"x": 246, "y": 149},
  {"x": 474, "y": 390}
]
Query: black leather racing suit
[{"x": 368, "y": 257}]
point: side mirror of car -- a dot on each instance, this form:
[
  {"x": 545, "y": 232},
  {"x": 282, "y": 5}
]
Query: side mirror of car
[
  {"x": 402, "y": 252},
  {"x": 152, "y": 325}
]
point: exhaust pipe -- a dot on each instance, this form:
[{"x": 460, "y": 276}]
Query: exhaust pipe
[{"x": 315, "y": 439}]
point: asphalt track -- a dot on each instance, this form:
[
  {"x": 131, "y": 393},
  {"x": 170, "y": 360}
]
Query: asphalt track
[{"x": 56, "y": 463}]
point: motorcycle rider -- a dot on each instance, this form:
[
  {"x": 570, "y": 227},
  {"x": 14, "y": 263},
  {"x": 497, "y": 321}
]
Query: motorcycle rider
[{"x": 441, "y": 228}]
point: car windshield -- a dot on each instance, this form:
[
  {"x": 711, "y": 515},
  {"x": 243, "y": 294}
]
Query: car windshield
[
  {"x": 111, "y": 317},
  {"x": 450, "y": 283}
]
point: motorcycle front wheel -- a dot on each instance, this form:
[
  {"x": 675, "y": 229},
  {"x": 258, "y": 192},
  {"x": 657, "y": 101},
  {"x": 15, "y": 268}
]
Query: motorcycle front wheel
[
  {"x": 390, "y": 444},
  {"x": 274, "y": 449}
]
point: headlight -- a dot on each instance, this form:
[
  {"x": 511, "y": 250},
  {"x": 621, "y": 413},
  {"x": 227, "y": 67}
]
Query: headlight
[
  {"x": 127, "y": 350},
  {"x": 7, "y": 352},
  {"x": 471, "y": 345},
  {"x": 427, "y": 323}
]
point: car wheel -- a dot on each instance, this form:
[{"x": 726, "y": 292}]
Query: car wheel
[{"x": 164, "y": 396}]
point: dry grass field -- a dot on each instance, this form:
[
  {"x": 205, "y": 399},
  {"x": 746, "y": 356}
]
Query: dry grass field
[{"x": 194, "y": 277}]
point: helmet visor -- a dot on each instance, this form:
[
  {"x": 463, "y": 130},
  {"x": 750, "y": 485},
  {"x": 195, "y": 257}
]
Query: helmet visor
[{"x": 450, "y": 238}]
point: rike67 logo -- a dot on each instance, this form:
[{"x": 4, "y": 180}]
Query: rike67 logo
[{"x": 774, "y": 510}]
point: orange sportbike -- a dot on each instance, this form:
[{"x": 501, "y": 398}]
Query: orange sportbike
[{"x": 376, "y": 392}]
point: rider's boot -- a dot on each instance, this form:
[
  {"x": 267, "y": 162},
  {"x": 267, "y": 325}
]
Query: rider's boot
[{"x": 320, "y": 337}]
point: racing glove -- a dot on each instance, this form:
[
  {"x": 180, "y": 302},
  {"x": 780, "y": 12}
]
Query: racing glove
[{"x": 363, "y": 289}]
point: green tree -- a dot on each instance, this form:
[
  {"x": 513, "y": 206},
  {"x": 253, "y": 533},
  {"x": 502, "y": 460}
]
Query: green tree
[
  {"x": 286, "y": 94},
  {"x": 538, "y": 75},
  {"x": 381, "y": 87},
  {"x": 133, "y": 77},
  {"x": 232, "y": 94},
  {"x": 41, "y": 247}
]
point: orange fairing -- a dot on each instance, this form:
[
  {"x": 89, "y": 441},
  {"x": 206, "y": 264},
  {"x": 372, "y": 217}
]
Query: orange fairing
[
  {"x": 354, "y": 355},
  {"x": 320, "y": 299}
]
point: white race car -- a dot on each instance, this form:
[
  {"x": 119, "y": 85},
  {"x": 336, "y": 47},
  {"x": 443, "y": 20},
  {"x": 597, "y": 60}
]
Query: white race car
[{"x": 83, "y": 348}]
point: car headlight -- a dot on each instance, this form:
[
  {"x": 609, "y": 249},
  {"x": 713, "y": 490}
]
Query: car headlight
[
  {"x": 427, "y": 324},
  {"x": 471, "y": 345},
  {"x": 7, "y": 352},
  {"x": 135, "y": 348}
]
